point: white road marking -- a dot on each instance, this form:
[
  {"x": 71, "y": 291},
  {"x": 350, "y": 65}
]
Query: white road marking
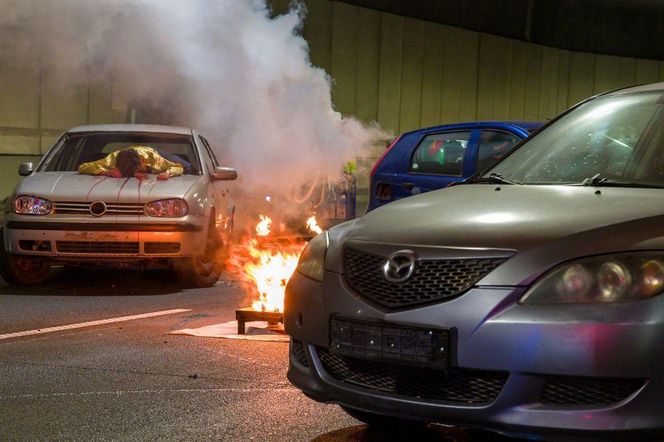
[
  {"x": 179, "y": 390},
  {"x": 91, "y": 323}
]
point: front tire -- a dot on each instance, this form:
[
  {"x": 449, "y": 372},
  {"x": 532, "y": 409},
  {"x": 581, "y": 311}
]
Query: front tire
[
  {"x": 23, "y": 270},
  {"x": 203, "y": 270}
]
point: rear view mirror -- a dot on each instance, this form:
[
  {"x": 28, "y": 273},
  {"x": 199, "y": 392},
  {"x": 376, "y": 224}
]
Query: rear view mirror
[
  {"x": 224, "y": 173},
  {"x": 25, "y": 169}
]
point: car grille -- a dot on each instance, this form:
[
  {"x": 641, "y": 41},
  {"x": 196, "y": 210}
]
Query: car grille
[
  {"x": 454, "y": 385},
  {"x": 300, "y": 355},
  {"x": 111, "y": 208},
  {"x": 432, "y": 280},
  {"x": 161, "y": 247},
  {"x": 97, "y": 247},
  {"x": 587, "y": 391}
]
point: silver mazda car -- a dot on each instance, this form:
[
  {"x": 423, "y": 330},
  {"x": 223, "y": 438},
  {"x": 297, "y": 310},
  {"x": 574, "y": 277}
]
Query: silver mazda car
[
  {"x": 57, "y": 215},
  {"x": 526, "y": 300}
]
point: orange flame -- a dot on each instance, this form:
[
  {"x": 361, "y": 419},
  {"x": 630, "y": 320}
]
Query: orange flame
[
  {"x": 265, "y": 265},
  {"x": 270, "y": 271},
  {"x": 263, "y": 227},
  {"x": 313, "y": 225}
]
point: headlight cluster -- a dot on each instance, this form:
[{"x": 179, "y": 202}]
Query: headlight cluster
[
  {"x": 171, "y": 208},
  {"x": 312, "y": 259},
  {"x": 610, "y": 278},
  {"x": 31, "y": 205}
]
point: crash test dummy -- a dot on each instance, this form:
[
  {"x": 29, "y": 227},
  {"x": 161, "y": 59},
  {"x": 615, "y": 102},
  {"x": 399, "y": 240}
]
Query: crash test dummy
[{"x": 135, "y": 161}]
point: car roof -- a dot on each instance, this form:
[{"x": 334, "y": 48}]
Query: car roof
[
  {"x": 525, "y": 125},
  {"x": 150, "y": 128},
  {"x": 641, "y": 88}
]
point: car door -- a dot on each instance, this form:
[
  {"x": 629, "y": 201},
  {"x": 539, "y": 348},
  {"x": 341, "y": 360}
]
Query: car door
[
  {"x": 223, "y": 207},
  {"x": 492, "y": 145},
  {"x": 437, "y": 160}
]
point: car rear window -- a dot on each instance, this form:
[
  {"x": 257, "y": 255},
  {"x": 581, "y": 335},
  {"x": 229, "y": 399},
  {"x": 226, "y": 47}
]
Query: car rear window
[
  {"x": 74, "y": 150},
  {"x": 440, "y": 154}
]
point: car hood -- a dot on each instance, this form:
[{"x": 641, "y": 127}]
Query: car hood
[
  {"x": 73, "y": 186},
  {"x": 540, "y": 225}
]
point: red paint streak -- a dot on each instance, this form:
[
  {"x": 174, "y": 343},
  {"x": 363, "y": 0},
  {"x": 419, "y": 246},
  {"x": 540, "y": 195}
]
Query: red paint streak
[
  {"x": 117, "y": 200},
  {"x": 87, "y": 197}
]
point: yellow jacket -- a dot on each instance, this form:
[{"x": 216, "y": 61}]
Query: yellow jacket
[{"x": 154, "y": 163}]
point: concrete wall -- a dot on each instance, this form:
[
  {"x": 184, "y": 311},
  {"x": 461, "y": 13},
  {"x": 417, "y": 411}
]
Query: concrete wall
[
  {"x": 403, "y": 73},
  {"x": 407, "y": 73}
]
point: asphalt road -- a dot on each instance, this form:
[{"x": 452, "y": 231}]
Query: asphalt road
[{"x": 131, "y": 380}]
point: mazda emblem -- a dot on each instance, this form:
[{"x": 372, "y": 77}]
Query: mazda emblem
[{"x": 400, "y": 266}]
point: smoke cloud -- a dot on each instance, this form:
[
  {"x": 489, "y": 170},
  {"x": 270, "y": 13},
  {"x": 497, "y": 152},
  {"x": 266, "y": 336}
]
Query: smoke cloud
[{"x": 225, "y": 67}]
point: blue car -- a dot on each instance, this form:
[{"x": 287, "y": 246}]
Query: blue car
[{"x": 432, "y": 158}]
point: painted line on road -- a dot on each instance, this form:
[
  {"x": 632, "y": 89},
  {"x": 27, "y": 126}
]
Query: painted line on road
[
  {"x": 91, "y": 323},
  {"x": 152, "y": 391}
]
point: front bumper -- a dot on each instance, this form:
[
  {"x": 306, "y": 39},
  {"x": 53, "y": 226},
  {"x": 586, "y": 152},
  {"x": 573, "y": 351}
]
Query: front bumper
[
  {"x": 121, "y": 239},
  {"x": 537, "y": 348}
]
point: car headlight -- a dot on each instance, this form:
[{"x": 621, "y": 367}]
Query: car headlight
[
  {"x": 171, "y": 208},
  {"x": 609, "y": 278},
  {"x": 31, "y": 205},
  {"x": 312, "y": 259}
]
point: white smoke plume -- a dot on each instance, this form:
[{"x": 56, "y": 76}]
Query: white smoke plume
[{"x": 226, "y": 67}]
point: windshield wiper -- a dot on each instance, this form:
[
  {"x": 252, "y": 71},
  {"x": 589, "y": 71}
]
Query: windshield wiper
[
  {"x": 595, "y": 180},
  {"x": 599, "y": 181},
  {"x": 493, "y": 178}
]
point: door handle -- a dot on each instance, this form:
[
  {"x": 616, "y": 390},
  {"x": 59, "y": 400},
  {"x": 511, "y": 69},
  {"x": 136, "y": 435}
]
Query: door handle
[{"x": 408, "y": 186}]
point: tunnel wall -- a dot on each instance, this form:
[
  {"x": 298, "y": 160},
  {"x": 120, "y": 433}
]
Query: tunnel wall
[{"x": 402, "y": 72}]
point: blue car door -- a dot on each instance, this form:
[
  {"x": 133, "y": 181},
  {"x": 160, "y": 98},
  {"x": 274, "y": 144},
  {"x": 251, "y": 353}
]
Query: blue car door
[{"x": 437, "y": 160}]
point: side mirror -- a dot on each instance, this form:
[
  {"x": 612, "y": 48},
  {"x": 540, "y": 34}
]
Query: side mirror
[
  {"x": 224, "y": 173},
  {"x": 25, "y": 169}
]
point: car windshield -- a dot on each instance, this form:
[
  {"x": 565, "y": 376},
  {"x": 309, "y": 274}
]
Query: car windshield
[
  {"x": 611, "y": 140},
  {"x": 75, "y": 149}
]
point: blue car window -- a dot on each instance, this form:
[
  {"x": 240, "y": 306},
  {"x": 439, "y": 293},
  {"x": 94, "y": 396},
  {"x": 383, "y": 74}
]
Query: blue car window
[
  {"x": 440, "y": 154},
  {"x": 494, "y": 145}
]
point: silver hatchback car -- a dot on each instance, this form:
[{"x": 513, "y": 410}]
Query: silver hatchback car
[
  {"x": 59, "y": 216},
  {"x": 526, "y": 301}
]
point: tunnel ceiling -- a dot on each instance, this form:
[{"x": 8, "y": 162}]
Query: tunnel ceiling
[{"x": 630, "y": 28}]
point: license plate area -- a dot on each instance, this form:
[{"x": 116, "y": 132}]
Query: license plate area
[{"x": 428, "y": 347}]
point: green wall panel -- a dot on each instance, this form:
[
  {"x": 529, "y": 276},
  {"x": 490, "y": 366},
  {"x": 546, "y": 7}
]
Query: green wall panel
[
  {"x": 533, "y": 82},
  {"x": 517, "y": 97},
  {"x": 549, "y": 84},
  {"x": 432, "y": 74},
  {"x": 63, "y": 105},
  {"x": 647, "y": 71},
  {"x": 460, "y": 75},
  {"x": 606, "y": 73},
  {"x": 493, "y": 92},
  {"x": 389, "y": 80},
  {"x": 344, "y": 56},
  {"x": 411, "y": 75},
  {"x": 19, "y": 97},
  {"x": 626, "y": 71},
  {"x": 563, "y": 81},
  {"x": 318, "y": 33},
  {"x": 368, "y": 62},
  {"x": 581, "y": 77}
]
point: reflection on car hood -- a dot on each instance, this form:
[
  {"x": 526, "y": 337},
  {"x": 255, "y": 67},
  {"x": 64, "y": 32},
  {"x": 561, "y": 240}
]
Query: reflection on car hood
[
  {"x": 515, "y": 217},
  {"x": 545, "y": 225},
  {"x": 73, "y": 186}
]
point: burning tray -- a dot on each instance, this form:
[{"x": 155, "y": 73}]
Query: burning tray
[{"x": 248, "y": 314}]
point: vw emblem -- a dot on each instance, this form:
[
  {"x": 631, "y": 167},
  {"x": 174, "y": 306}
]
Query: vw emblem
[
  {"x": 98, "y": 208},
  {"x": 400, "y": 266}
]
